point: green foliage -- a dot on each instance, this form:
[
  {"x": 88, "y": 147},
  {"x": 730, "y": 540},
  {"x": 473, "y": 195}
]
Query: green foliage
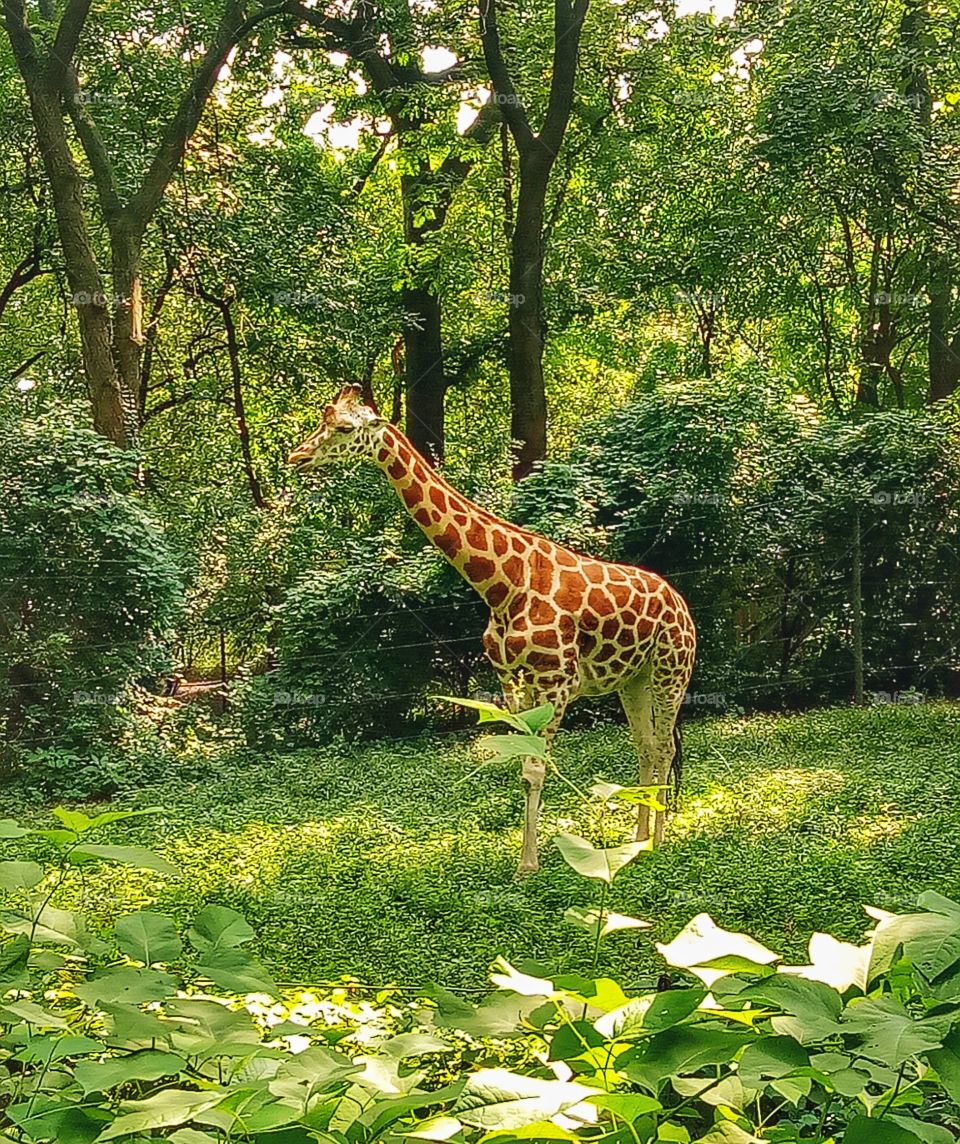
[
  {"x": 746, "y": 500},
  {"x": 187, "y": 1036},
  {"x": 90, "y": 592},
  {"x": 363, "y": 640}
]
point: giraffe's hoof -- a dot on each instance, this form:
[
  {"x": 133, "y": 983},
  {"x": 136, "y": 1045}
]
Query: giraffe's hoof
[{"x": 526, "y": 868}]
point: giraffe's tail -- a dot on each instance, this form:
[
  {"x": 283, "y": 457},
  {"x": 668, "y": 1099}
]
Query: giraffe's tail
[{"x": 675, "y": 775}]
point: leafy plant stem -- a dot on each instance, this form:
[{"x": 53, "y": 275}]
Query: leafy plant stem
[{"x": 894, "y": 1094}]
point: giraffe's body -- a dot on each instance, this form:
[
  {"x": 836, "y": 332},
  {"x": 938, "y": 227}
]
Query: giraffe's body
[{"x": 561, "y": 625}]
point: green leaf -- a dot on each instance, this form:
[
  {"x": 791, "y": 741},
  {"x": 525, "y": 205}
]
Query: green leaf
[
  {"x": 49, "y": 924},
  {"x": 931, "y": 941},
  {"x": 137, "y": 856},
  {"x": 869, "y": 1130},
  {"x": 680, "y": 1051},
  {"x": 599, "y": 865},
  {"x": 251, "y": 1109},
  {"x": 588, "y": 918},
  {"x": 702, "y": 941},
  {"x": 938, "y": 904},
  {"x": 148, "y": 937},
  {"x": 627, "y": 1106},
  {"x": 218, "y": 927},
  {"x": 630, "y": 796},
  {"x": 671, "y": 1007},
  {"x": 414, "y": 1045},
  {"x": 498, "y": 1099},
  {"x": 501, "y": 1015},
  {"x": 43, "y": 1118},
  {"x": 317, "y": 1069},
  {"x": 924, "y": 1130},
  {"x": 726, "y": 1132},
  {"x": 20, "y": 875},
  {"x": 74, "y": 820},
  {"x": 946, "y": 1060},
  {"x": 32, "y": 1014},
  {"x": 47, "y": 1047},
  {"x": 488, "y": 712},
  {"x": 625, "y": 1021},
  {"x": 236, "y": 971},
  {"x": 127, "y": 986},
  {"x": 813, "y": 1008},
  {"x": 132, "y": 1027},
  {"x": 888, "y": 1034},
  {"x": 544, "y": 1130},
  {"x": 11, "y": 829},
  {"x": 771, "y": 1057},
  {"x": 102, "y": 1076},
  {"x": 537, "y": 718},
  {"x": 166, "y": 1109},
  {"x": 504, "y": 747},
  {"x": 206, "y": 1023},
  {"x": 13, "y": 957},
  {"x": 434, "y": 1128}
]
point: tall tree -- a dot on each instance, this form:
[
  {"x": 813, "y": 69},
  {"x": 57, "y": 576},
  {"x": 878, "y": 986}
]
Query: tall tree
[
  {"x": 386, "y": 45},
  {"x": 109, "y": 307},
  {"x": 537, "y": 151}
]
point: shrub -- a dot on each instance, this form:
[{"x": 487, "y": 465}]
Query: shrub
[
  {"x": 746, "y": 499},
  {"x": 90, "y": 589},
  {"x": 363, "y": 645}
]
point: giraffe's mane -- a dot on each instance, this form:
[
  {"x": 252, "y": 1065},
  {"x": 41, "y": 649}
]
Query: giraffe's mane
[{"x": 491, "y": 518}]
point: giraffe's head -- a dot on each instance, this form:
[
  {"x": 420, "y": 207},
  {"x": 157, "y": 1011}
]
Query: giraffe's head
[{"x": 347, "y": 430}]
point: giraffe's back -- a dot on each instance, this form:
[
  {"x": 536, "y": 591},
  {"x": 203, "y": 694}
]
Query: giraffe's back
[{"x": 597, "y": 622}]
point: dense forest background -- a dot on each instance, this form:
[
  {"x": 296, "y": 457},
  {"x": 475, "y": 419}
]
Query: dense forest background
[{"x": 676, "y": 285}]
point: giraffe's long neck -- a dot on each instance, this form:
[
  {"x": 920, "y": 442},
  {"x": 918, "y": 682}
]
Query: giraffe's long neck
[{"x": 485, "y": 550}]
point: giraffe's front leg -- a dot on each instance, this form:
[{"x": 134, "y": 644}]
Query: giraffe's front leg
[
  {"x": 533, "y": 771},
  {"x": 532, "y": 776}
]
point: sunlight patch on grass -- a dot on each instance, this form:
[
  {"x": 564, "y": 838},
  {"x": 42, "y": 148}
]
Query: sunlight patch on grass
[
  {"x": 869, "y": 829},
  {"x": 769, "y": 802}
]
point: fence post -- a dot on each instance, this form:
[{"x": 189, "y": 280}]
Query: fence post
[{"x": 856, "y": 602}]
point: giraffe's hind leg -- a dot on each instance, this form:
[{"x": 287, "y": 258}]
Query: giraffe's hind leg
[
  {"x": 637, "y": 705},
  {"x": 669, "y": 679},
  {"x": 652, "y": 703}
]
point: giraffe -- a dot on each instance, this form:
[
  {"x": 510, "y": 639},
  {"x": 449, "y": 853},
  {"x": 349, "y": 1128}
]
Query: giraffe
[{"x": 561, "y": 625}]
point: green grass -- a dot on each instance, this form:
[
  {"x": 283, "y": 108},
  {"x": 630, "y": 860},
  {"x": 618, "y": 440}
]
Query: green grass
[{"x": 396, "y": 862}]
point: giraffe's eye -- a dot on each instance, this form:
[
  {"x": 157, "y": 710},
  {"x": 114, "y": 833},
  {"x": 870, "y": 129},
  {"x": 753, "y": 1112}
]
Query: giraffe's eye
[{"x": 344, "y": 428}]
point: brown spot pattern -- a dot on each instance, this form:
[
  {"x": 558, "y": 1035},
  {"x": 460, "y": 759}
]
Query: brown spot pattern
[{"x": 479, "y": 568}]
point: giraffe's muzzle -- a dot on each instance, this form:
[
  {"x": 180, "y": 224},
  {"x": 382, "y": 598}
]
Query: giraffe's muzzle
[{"x": 301, "y": 457}]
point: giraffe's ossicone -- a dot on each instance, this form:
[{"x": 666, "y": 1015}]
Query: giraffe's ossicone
[{"x": 561, "y": 625}]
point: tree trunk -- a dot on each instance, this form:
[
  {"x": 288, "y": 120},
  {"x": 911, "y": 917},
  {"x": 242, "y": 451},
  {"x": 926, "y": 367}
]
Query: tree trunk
[
  {"x": 125, "y": 249},
  {"x": 425, "y": 376},
  {"x": 943, "y": 351},
  {"x": 91, "y": 301},
  {"x": 528, "y": 401}
]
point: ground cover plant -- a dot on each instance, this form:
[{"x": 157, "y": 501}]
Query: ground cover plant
[
  {"x": 186, "y": 1034},
  {"x": 395, "y": 862}
]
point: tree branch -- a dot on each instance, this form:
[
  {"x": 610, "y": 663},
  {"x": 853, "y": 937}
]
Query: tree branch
[
  {"x": 568, "y": 24},
  {"x": 504, "y": 92},
  {"x": 21, "y": 40},
  {"x": 93, "y": 147},
  {"x": 65, "y": 42},
  {"x": 181, "y": 127},
  {"x": 355, "y": 39},
  {"x": 25, "y": 271}
]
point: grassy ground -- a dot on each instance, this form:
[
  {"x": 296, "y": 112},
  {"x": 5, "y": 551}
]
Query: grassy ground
[{"x": 396, "y": 862}]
